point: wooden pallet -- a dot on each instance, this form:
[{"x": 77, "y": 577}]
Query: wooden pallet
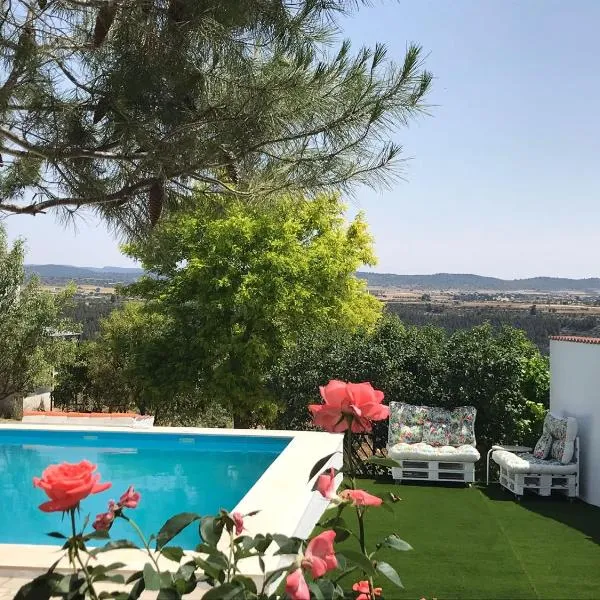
[
  {"x": 433, "y": 470},
  {"x": 540, "y": 483}
]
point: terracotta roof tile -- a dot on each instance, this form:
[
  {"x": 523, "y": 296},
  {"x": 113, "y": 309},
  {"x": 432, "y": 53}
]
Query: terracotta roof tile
[
  {"x": 57, "y": 413},
  {"x": 575, "y": 338}
]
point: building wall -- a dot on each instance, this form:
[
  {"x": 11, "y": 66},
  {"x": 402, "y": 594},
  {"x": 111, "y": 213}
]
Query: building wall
[
  {"x": 13, "y": 406},
  {"x": 37, "y": 402},
  {"x": 575, "y": 391}
]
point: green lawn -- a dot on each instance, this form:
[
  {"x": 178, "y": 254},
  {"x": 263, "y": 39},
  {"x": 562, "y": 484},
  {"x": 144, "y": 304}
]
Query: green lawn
[{"x": 469, "y": 543}]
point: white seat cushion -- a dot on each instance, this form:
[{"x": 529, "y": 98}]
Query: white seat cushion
[
  {"x": 528, "y": 463},
  {"x": 423, "y": 451}
]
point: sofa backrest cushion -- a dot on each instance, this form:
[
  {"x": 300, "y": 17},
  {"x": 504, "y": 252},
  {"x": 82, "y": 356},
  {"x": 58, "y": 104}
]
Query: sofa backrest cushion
[
  {"x": 406, "y": 423},
  {"x": 436, "y": 433},
  {"x": 411, "y": 434},
  {"x": 462, "y": 426},
  {"x": 563, "y": 431}
]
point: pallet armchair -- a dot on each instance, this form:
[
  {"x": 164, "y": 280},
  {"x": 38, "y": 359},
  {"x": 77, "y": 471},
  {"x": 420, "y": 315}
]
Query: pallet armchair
[
  {"x": 552, "y": 466},
  {"x": 431, "y": 443}
]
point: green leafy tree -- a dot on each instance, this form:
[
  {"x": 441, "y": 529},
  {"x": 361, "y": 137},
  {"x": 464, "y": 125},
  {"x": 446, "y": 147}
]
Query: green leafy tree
[
  {"x": 127, "y": 366},
  {"x": 112, "y": 373},
  {"x": 73, "y": 388},
  {"x": 236, "y": 283},
  {"x": 125, "y": 105},
  {"x": 28, "y": 318}
]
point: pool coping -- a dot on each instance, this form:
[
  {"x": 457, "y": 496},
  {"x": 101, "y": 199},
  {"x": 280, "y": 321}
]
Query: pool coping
[{"x": 293, "y": 511}]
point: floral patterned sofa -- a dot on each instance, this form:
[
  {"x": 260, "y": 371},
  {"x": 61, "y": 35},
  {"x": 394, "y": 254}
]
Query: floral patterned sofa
[
  {"x": 553, "y": 464},
  {"x": 431, "y": 443}
]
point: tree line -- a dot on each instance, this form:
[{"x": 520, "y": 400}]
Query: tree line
[{"x": 538, "y": 326}]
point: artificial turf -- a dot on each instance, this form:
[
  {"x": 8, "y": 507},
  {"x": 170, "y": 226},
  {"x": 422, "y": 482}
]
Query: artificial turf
[{"x": 481, "y": 543}]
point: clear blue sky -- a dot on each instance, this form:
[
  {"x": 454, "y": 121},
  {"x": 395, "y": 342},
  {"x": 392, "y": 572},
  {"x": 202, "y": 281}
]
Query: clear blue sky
[{"x": 501, "y": 178}]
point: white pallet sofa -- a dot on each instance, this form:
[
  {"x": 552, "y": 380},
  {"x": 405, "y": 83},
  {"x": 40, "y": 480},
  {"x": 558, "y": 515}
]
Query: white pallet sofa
[
  {"x": 552, "y": 466},
  {"x": 432, "y": 443}
]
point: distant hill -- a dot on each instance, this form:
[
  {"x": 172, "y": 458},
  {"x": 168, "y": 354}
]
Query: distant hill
[
  {"x": 134, "y": 270},
  {"x": 455, "y": 281},
  {"x": 102, "y": 276},
  {"x": 61, "y": 274}
]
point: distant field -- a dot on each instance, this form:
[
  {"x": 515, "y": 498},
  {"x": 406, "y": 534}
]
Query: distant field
[
  {"x": 85, "y": 288},
  {"x": 445, "y": 299}
]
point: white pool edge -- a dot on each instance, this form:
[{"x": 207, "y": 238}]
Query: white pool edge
[{"x": 283, "y": 495}]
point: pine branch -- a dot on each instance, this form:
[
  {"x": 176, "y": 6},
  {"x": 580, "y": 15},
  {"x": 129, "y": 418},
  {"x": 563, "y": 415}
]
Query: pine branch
[
  {"x": 43, "y": 206},
  {"x": 56, "y": 155},
  {"x": 235, "y": 96}
]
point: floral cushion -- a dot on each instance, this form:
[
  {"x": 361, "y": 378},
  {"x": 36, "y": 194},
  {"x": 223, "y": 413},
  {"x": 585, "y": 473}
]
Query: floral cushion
[
  {"x": 439, "y": 415},
  {"x": 543, "y": 446},
  {"x": 563, "y": 431},
  {"x": 557, "y": 449},
  {"x": 436, "y": 433},
  {"x": 556, "y": 426},
  {"x": 462, "y": 426},
  {"x": 406, "y": 423},
  {"x": 405, "y": 415},
  {"x": 528, "y": 463},
  {"x": 410, "y": 434}
]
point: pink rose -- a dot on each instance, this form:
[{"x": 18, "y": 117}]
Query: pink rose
[
  {"x": 320, "y": 556},
  {"x": 353, "y": 405},
  {"x": 326, "y": 485},
  {"x": 68, "y": 484},
  {"x": 296, "y": 587},
  {"x": 239, "y": 522},
  {"x": 103, "y": 521},
  {"x": 361, "y": 498},
  {"x": 364, "y": 589},
  {"x": 130, "y": 499}
]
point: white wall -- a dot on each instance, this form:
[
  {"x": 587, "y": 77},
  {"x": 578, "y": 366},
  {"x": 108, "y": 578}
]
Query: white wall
[
  {"x": 34, "y": 401},
  {"x": 575, "y": 391}
]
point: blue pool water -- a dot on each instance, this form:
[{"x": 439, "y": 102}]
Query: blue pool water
[{"x": 173, "y": 472}]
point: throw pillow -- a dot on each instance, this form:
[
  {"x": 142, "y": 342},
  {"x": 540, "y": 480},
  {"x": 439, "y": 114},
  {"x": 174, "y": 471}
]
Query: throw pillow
[
  {"x": 558, "y": 449},
  {"x": 543, "y": 446},
  {"x": 562, "y": 451},
  {"x": 563, "y": 431},
  {"x": 436, "y": 433},
  {"x": 556, "y": 426}
]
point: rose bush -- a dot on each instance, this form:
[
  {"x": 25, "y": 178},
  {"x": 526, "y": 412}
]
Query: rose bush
[
  {"x": 349, "y": 406},
  {"x": 67, "y": 485},
  {"x": 315, "y": 567}
]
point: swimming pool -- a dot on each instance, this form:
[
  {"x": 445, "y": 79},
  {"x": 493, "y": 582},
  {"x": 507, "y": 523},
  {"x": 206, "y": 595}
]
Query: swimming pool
[
  {"x": 283, "y": 494},
  {"x": 173, "y": 473}
]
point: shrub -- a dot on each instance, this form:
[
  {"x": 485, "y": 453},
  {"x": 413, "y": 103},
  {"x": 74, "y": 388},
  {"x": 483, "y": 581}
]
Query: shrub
[
  {"x": 502, "y": 374},
  {"x": 498, "y": 371}
]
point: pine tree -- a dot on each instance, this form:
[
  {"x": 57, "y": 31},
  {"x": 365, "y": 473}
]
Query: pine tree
[{"x": 127, "y": 106}]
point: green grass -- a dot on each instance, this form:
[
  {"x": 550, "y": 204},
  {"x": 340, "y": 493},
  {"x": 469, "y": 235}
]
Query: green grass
[{"x": 473, "y": 543}]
